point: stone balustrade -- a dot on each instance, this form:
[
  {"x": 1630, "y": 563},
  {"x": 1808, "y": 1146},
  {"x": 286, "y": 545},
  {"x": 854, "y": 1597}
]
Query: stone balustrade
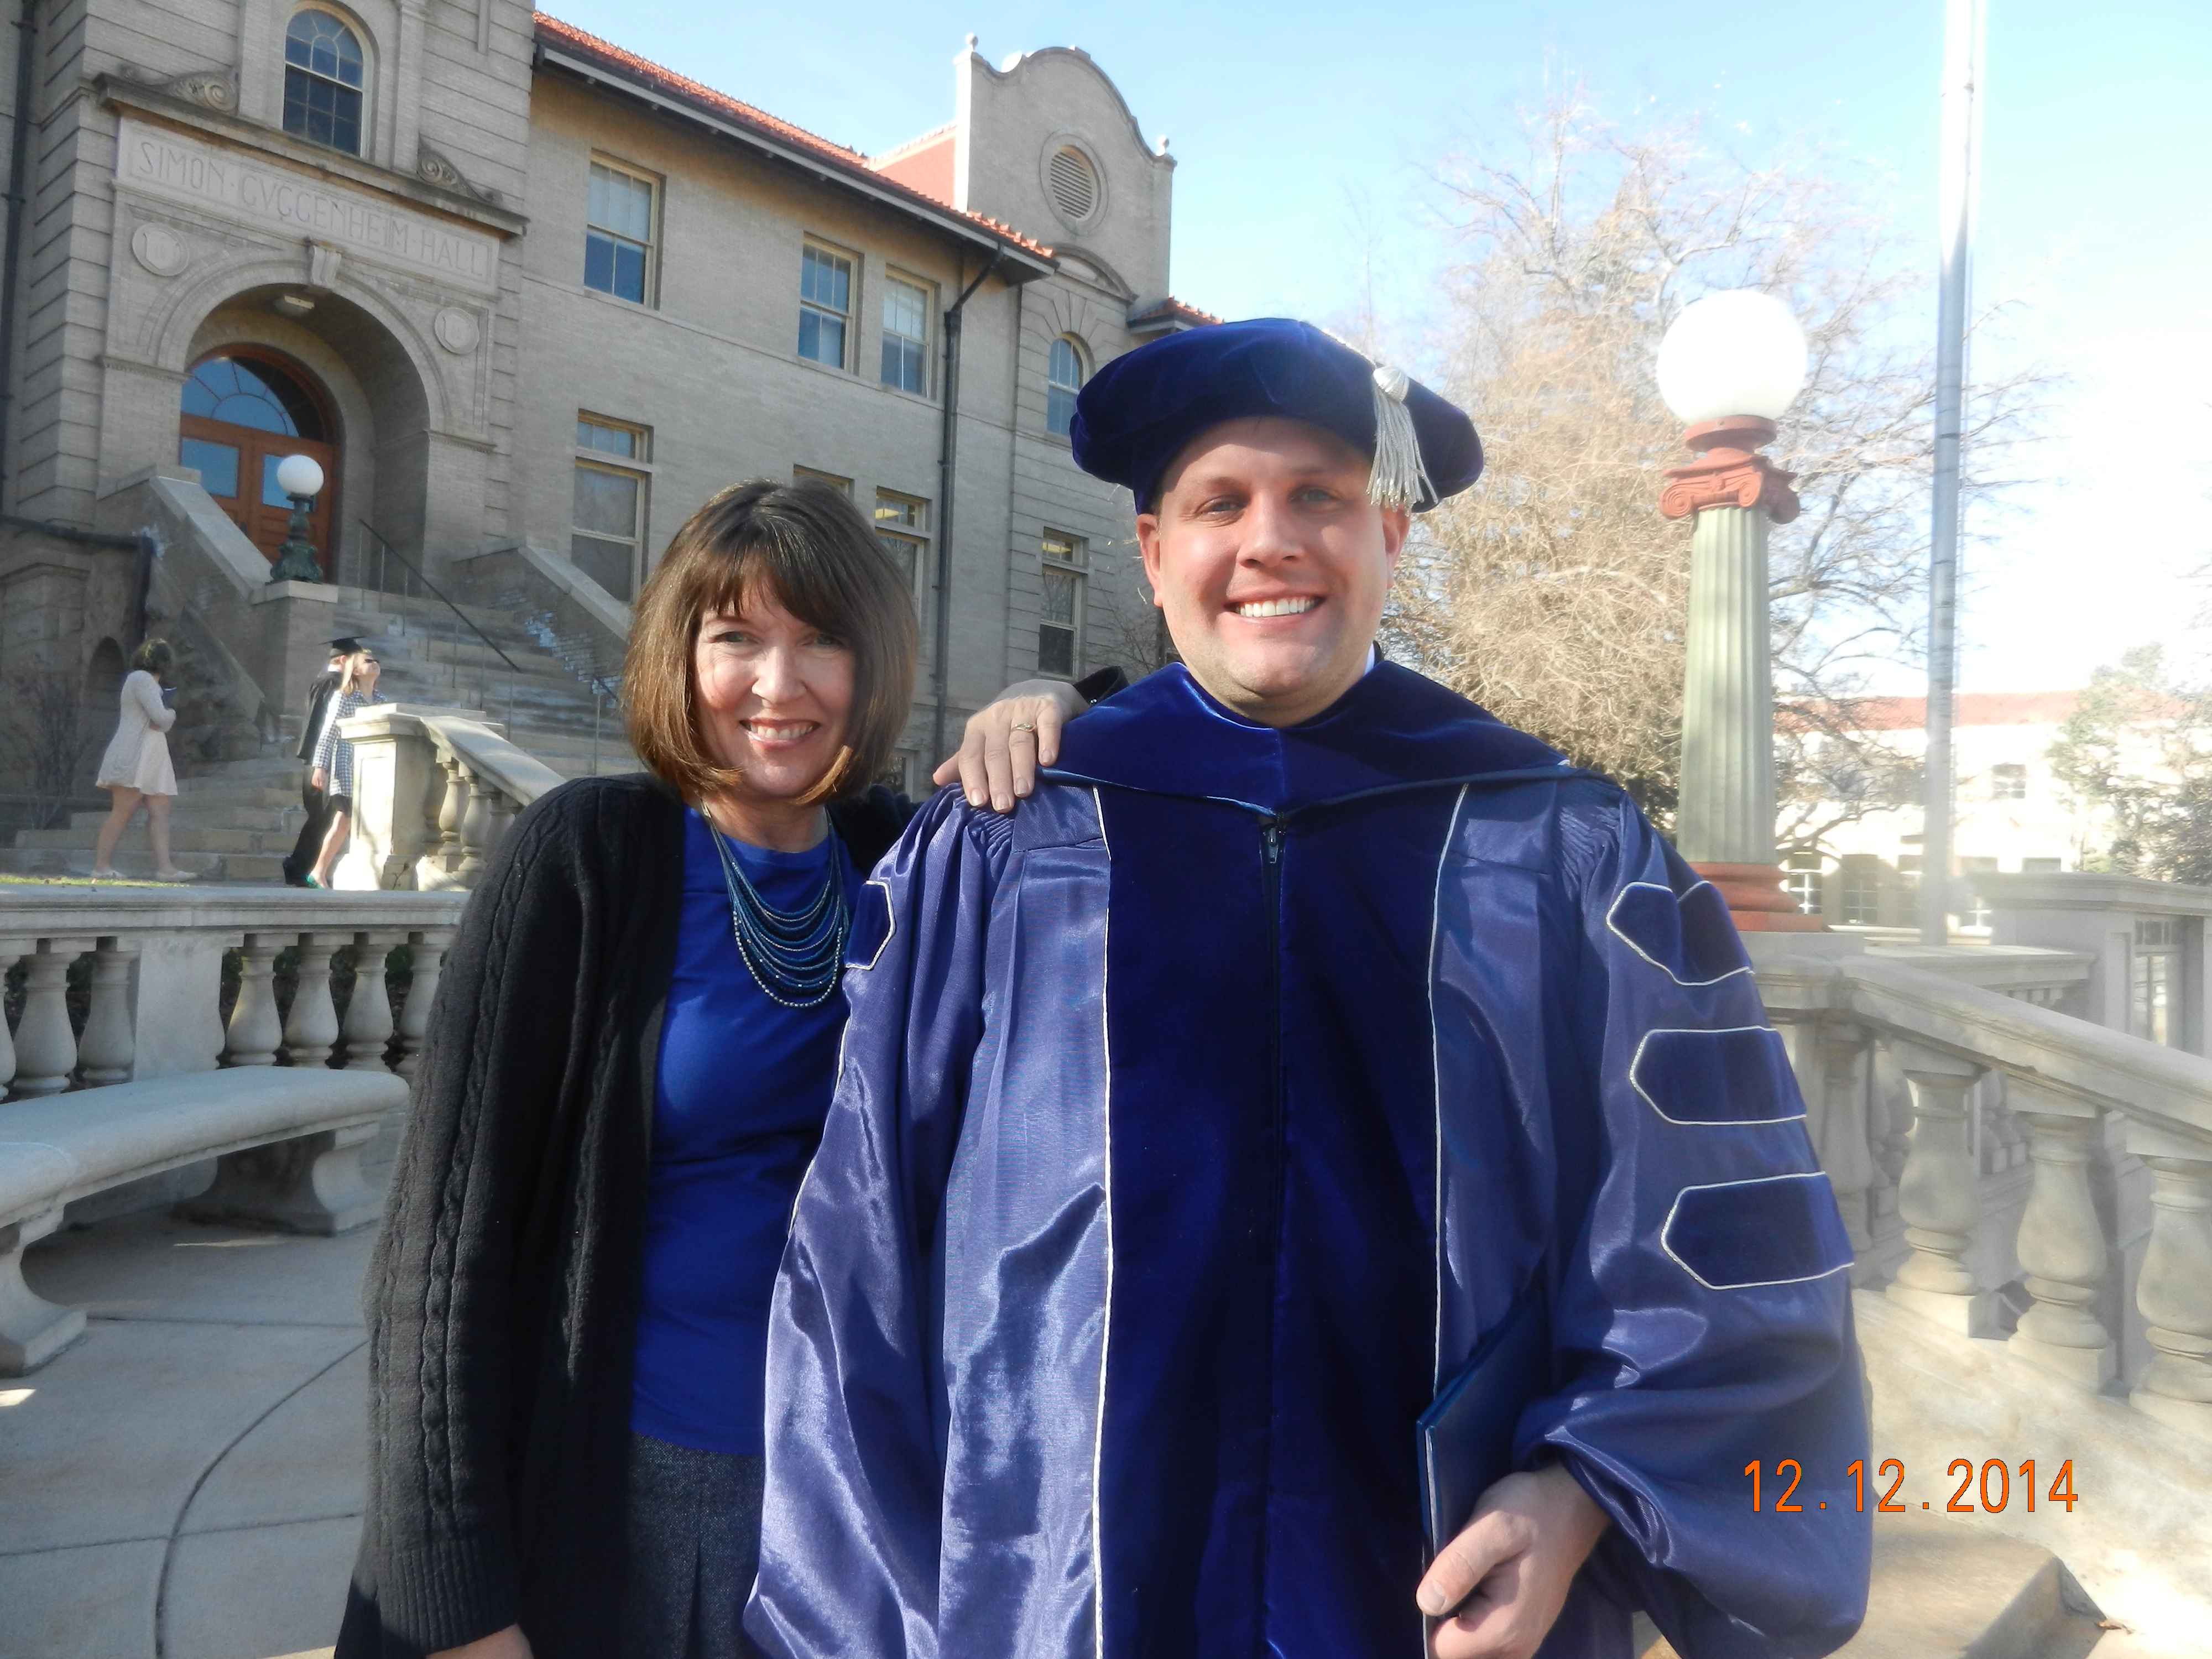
[
  {"x": 435, "y": 790},
  {"x": 155, "y": 982},
  {"x": 2001, "y": 1163}
]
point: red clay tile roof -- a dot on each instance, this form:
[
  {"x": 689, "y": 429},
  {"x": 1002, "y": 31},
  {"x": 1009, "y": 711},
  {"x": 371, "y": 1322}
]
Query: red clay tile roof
[
  {"x": 568, "y": 35},
  {"x": 925, "y": 165},
  {"x": 1969, "y": 708},
  {"x": 1173, "y": 310}
]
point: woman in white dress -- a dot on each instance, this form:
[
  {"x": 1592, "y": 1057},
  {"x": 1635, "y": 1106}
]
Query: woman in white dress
[
  {"x": 333, "y": 773},
  {"x": 136, "y": 767}
]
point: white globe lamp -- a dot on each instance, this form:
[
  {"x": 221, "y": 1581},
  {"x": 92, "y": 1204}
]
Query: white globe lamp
[
  {"x": 1737, "y": 353},
  {"x": 300, "y": 475}
]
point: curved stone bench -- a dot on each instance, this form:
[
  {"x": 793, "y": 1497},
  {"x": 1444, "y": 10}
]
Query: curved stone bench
[{"x": 289, "y": 1139}]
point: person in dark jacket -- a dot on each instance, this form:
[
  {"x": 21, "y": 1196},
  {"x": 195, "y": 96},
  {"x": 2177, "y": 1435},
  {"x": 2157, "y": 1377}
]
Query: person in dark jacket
[
  {"x": 631, "y": 1053},
  {"x": 313, "y": 797}
]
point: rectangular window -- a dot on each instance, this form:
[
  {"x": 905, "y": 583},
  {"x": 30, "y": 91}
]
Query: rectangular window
[
  {"x": 606, "y": 535},
  {"x": 2007, "y": 783},
  {"x": 1059, "y": 604},
  {"x": 902, "y": 526},
  {"x": 217, "y": 464},
  {"x": 842, "y": 486},
  {"x": 1804, "y": 881},
  {"x": 1861, "y": 894},
  {"x": 2152, "y": 975},
  {"x": 906, "y": 335},
  {"x": 1977, "y": 904},
  {"x": 618, "y": 232},
  {"x": 825, "y": 305}
]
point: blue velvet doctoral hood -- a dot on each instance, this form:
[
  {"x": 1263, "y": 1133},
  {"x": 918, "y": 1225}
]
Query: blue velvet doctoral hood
[{"x": 1193, "y": 1127}]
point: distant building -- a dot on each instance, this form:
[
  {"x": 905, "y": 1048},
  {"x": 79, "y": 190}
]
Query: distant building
[
  {"x": 516, "y": 287},
  {"x": 2013, "y": 814}
]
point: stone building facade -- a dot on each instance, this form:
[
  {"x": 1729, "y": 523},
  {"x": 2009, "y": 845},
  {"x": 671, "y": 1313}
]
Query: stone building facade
[{"x": 524, "y": 294}]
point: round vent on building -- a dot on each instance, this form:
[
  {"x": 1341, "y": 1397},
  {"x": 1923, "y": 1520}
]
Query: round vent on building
[{"x": 1074, "y": 186}]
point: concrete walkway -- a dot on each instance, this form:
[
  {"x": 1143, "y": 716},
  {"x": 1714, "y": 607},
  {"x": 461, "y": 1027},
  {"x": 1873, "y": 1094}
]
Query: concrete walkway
[{"x": 185, "y": 1482}]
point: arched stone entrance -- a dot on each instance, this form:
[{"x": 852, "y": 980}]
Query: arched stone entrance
[
  {"x": 244, "y": 409},
  {"x": 351, "y": 369}
]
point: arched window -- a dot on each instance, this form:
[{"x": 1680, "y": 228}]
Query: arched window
[
  {"x": 1063, "y": 376},
  {"x": 322, "y": 79},
  {"x": 243, "y": 411},
  {"x": 250, "y": 393}
]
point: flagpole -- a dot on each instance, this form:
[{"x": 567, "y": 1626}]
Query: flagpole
[{"x": 1962, "y": 44}]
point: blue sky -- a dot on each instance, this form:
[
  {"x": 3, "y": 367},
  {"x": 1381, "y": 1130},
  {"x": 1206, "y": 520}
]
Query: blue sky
[{"x": 1289, "y": 123}]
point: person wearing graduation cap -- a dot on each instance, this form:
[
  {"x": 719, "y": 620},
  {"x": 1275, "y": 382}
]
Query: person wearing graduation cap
[
  {"x": 1212, "y": 1136},
  {"x": 313, "y": 797}
]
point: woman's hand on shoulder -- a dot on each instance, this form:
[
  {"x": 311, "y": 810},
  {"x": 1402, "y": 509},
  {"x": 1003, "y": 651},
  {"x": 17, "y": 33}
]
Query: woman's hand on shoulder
[
  {"x": 1006, "y": 742},
  {"x": 509, "y": 1644}
]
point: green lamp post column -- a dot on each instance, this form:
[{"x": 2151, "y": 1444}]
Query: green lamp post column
[
  {"x": 299, "y": 476},
  {"x": 1731, "y": 363}
]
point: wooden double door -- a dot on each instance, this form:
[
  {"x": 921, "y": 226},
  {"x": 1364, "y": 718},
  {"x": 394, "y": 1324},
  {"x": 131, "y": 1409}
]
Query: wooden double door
[{"x": 243, "y": 411}]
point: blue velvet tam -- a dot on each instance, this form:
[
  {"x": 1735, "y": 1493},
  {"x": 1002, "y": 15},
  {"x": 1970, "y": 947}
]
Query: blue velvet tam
[{"x": 1136, "y": 414}]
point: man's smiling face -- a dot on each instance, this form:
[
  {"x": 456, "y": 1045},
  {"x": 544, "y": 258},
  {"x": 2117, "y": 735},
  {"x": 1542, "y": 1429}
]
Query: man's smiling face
[{"x": 1271, "y": 565}]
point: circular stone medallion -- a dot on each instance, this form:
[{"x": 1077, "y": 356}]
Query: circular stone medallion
[
  {"x": 456, "y": 329},
  {"x": 160, "y": 249}
]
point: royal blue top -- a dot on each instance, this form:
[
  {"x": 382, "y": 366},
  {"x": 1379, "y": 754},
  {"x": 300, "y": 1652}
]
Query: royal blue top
[{"x": 742, "y": 1086}]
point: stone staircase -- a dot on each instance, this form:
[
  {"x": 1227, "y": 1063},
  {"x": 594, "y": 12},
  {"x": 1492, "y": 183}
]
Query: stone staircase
[
  {"x": 431, "y": 655},
  {"x": 236, "y": 822}
]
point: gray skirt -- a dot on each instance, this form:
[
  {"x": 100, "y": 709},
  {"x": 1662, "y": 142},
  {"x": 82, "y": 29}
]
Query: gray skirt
[{"x": 694, "y": 1547}]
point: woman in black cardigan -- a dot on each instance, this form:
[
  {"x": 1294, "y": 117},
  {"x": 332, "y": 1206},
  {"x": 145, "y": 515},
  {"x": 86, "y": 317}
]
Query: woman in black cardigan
[{"x": 625, "y": 1072}]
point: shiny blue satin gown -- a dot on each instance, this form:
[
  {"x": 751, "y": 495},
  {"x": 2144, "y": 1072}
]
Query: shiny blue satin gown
[{"x": 1192, "y": 1127}]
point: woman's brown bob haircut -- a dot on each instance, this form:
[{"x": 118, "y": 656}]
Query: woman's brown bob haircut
[{"x": 808, "y": 548}]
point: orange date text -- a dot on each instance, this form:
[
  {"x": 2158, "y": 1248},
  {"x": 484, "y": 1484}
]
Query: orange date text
[{"x": 1989, "y": 1487}]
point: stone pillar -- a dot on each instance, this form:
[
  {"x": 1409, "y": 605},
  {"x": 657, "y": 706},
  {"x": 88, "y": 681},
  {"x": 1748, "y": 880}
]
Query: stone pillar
[
  {"x": 369, "y": 1013},
  {"x": 310, "y": 1185},
  {"x": 312, "y": 1027},
  {"x": 2174, "y": 1290},
  {"x": 255, "y": 1030},
  {"x": 12, "y": 950},
  {"x": 177, "y": 1001},
  {"x": 429, "y": 947},
  {"x": 1845, "y": 1146},
  {"x": 394, "y": 762},
  {"x": 110, "y": 1043},
  {"x": 1724, "y": 823},
  {"x": 2061, "y": 1242},
  {"x": 1940, "y": 1196},
  {"x": 45, "y": 1043},
  {"x": 33, "y": 1330}
]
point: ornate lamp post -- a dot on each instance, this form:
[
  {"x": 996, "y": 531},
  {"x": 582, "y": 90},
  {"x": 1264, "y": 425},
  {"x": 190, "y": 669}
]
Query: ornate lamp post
[
  {"x": 1729, "y": 368},
  {"x": 300, "y": 478}
]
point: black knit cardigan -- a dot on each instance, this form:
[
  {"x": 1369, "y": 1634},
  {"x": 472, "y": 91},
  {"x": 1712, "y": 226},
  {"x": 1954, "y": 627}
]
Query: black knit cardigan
[{"x": 502, "y": 1296}]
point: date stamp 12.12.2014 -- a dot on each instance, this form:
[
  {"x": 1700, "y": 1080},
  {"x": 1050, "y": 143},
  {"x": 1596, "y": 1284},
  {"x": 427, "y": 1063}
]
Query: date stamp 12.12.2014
[{"x": 1988, "y": 1487}]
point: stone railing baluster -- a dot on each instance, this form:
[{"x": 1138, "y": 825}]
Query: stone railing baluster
[
  {"x": 1845, "y": 1145},
  {"x": 452, "y": 809},
  {"x": 12, "y": 950},
  {"x": 46, "y": 1044},
  {"x": 2062, "y": 1242},
  {"x": 428, "y": 946},
  {"x": 478, "y": 826},
  {"x": 255, "y": 1030},
  {"x": 1938, "y": 1196},
  {"x": 2174, "y": 1290},
  {"x": 110, "y": 1043},
  {"x": 312, "y": 1026},
  {"x": 368, "y": 1014}
]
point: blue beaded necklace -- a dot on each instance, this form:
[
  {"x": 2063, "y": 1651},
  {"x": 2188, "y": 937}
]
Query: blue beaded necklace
[{"x": 794, "y": 955}]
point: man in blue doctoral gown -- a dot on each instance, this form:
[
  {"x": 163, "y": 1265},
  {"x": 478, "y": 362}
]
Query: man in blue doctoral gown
[{"x": 1195, "y": 1123}]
